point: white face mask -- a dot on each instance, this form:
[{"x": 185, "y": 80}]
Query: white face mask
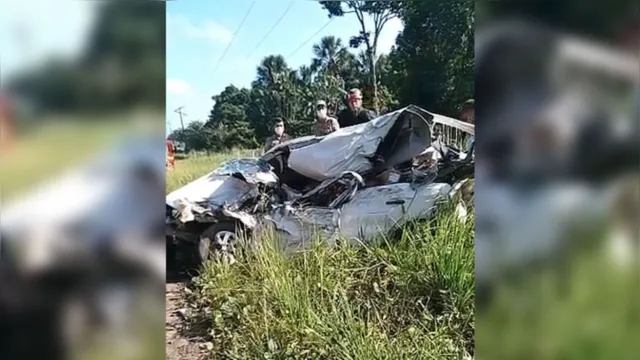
[
  {"x": 279, "y": 130},
  {"x": 321, "y": 113}
]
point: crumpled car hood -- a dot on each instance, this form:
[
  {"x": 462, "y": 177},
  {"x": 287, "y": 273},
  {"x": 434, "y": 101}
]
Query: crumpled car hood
[{"x": 224, "y": 185}]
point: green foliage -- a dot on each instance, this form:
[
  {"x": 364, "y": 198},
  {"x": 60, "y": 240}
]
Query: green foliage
[
  {"x": 433, "y": 63},
  {"x": 431, "y": 66},
  {"x": 381, "y": 12},
  {"x": 229, "y": 117},
  {"x": 196, "y": 135}
]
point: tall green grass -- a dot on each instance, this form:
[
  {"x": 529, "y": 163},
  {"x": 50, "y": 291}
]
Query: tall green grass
[
  {"x": 407, "y": 298},
  {"x": 189, "y": 168}
]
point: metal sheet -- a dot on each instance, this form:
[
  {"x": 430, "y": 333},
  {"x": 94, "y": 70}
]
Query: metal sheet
[{"x": 351, "y": 148}]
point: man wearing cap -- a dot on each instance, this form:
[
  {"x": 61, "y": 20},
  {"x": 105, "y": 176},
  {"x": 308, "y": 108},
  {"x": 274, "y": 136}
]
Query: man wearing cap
[
  {"x": 354, "y": 114},
  {"x": 325, "y": 124},
  {"x": 278, "y": 137}
]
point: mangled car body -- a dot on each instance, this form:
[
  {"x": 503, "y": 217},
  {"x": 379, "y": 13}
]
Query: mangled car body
[{"x": 354, "y": 184}]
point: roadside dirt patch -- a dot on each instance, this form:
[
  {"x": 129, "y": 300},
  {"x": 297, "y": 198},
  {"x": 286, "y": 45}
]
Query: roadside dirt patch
[{"x": 181, "y": 341}]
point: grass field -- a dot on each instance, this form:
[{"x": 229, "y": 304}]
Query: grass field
[{"x": 413, "y": 299}]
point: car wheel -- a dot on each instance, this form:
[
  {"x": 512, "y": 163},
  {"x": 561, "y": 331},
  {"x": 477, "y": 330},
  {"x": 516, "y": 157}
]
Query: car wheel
[{"x": 218, "y": 242}]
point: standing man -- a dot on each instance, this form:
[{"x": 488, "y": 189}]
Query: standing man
[
  {"x": 468, "y": 114},
  {"x": 278, "y": 137},
  {"x": 325, "y": 124},
  {"x": 354, "y": 114}
]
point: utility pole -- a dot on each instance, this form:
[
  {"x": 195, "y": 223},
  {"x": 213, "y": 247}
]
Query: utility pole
[{"x": 179, "y": 112}]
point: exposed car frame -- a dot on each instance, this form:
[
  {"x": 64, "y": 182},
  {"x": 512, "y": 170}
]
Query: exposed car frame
[{"x": 326, "y": 183}]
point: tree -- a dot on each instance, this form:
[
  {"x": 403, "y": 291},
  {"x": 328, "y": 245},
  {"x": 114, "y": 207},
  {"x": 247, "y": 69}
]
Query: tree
[
  {"x": 305, "y": 75},
  {"x": 329, "y": 55},
  {"x": 195, "y": 136},
  {"x": 229, "y": 120},
  {"x": 389, "y": 84},
  {"x": 271, "y": 72},
  {"x": 382, "y": 12},
  {"x": 271, "y": 93},
  {"x": 432, "y": 64}
]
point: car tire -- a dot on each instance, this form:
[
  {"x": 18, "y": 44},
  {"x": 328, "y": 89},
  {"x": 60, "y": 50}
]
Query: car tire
[{"x": 218, "y": 239}]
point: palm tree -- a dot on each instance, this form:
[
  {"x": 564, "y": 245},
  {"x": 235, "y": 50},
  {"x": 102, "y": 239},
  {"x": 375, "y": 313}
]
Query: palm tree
[
  {"x": 305, "y": 74},
  {"x": 277, "y": 85},
  {"x": 329, "y": 55},
  {"x": 272, "y": 70}
]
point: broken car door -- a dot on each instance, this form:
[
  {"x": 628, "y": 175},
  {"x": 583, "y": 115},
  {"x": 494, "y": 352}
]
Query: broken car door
[{"x": 378, "y": 210}]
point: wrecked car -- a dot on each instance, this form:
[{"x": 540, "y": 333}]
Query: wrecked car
[{"x": 354, "y": 184}]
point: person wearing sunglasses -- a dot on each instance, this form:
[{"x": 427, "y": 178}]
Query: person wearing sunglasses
[
  {"x": 278, "y": 137},
  {"x": 325, "y": 124},
  {"x": 354, "y": 114}
]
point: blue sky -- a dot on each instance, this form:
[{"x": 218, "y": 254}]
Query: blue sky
[{"x": 198, "y": 32}]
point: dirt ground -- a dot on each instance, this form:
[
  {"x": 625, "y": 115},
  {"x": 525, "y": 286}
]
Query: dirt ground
[{"x": 181, "y": 341}]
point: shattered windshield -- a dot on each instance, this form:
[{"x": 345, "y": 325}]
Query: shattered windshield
[
  {"x": 241, "y": 165},
  {"x": 250, "y": 169}
]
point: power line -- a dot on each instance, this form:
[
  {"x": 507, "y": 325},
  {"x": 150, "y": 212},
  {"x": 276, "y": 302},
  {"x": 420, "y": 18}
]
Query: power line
[
  {"x": 310, "y": 38},
  {"x": 234, "y": 36},
  {"x": 270, "y": 30}
]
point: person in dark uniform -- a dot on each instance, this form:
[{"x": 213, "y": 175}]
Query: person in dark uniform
[
  {"x": 354, "y": 114},
  {"x": 278, "y": 137}
]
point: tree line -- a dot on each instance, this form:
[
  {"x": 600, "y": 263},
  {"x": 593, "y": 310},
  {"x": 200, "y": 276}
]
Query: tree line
[{"x": 431, "y": 65}]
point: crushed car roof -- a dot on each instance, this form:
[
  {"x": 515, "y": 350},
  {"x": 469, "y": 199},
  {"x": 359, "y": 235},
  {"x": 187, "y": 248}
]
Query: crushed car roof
[{"x": 396, "y": 137}]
